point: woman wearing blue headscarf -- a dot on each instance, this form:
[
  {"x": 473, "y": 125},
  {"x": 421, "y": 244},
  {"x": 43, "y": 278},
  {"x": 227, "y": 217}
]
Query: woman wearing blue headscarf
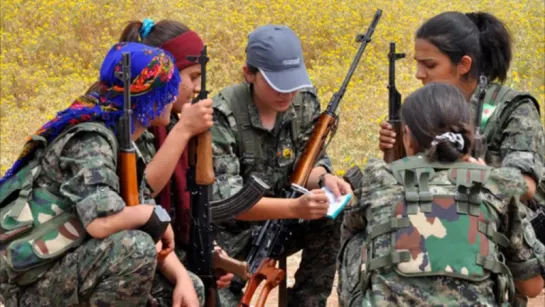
[{"x": 73, "y": 240}]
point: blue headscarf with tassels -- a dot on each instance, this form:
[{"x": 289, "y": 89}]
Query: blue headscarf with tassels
[{"x": 154, "y": 84}]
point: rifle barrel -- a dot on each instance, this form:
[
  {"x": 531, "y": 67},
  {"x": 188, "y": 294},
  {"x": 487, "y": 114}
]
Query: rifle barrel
[{"x": 364, "y": 39}]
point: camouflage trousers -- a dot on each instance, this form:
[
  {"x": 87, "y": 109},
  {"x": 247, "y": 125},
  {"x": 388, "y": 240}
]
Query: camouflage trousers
[
  {"x": 319, "y": 242},
  {"x": 119, "y": 270},
  {"x": 391, "y": 288}
]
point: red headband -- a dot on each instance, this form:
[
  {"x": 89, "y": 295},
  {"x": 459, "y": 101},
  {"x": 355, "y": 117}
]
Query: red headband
[{"x": 188, "y": 43}]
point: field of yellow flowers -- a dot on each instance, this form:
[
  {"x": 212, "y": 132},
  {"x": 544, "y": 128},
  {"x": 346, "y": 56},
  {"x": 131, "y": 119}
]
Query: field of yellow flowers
[{"x": 52, "y": 51}]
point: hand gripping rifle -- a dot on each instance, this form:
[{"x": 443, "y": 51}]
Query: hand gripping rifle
[
  {"x": 394, "y": 108},
  {"x": 268, "y": 244},
  {"x": 201, "y": 177}
]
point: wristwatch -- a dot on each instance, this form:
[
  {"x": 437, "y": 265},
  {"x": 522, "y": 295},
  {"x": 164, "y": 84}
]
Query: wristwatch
[
  {"x": 157, "y": 223},
  {"x": 321, "y": 179}
]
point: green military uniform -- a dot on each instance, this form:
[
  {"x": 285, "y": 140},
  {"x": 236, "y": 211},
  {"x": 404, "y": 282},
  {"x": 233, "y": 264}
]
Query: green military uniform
[
  {"x": 146, "y": 152},
  {"x": 512, "y": 130},
  {"x": 514, "y": 137},
  {"x": 243, "y": 147},
  {"x": 86, "y": 179},
  {"x": 419, "y": 237},
  {"x": 77, "y": 182}
]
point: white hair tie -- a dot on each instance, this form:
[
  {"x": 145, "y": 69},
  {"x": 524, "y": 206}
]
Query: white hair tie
[{"x": 455, "y": 138}]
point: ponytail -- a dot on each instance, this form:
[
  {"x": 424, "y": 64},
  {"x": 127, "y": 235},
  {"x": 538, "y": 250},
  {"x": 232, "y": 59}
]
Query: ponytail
[
  {"x": 131, "y": 33},
  {"x": 155, "y": 34},
  {"x": 496, "y": 42}
]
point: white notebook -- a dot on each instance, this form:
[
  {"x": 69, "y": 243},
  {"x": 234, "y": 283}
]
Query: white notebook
[{"x": 335, "y": 207}]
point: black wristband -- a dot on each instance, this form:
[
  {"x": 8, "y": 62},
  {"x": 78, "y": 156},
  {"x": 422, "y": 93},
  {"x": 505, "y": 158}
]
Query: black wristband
[
  {"x": 321, "y": 179},
  {"x": 157, "y": 223}
]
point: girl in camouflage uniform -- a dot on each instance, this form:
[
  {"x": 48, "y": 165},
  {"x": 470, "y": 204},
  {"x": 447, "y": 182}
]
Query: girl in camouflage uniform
[
  {"x": 163, "y": 157},
  {"x": 461, "y": 49},
  {"x": 433, "y": 230},
  {"x": 76, "y": 179}
]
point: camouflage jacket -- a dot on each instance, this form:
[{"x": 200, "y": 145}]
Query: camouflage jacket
[
  {"x": 378, "y": 202},
  {"x": 76, "y": 182},
  {"x": 513, "y": 132},
  {"x": 278, "y": 149}
]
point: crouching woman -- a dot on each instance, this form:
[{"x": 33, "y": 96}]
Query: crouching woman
[
  {"x": 436, "y": 228},
  {"x": 66, "y": 235}
]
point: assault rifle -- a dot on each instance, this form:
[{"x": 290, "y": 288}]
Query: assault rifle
[
  {"x": 126, "y": 162},
  {"x": 269, "y": 240},
  {"x": 200, "y": 174},
  {"x": 394, "y": 107},
  {"x": 127, "y": 153}
]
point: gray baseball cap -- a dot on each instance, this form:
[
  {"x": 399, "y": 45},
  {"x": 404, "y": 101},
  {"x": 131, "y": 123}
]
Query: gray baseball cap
[{"x": 276, "y": 51}]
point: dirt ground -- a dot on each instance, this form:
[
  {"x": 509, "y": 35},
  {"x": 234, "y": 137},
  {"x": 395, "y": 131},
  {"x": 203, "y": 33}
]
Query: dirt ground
[{"x": 293, "y": 263}]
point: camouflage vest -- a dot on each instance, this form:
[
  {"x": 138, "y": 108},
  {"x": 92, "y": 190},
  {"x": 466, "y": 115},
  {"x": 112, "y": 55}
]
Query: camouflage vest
[
  {"x": 439, "y": 229},
  {"x": 36, "y": 226},
  {"x": 255, "y": 156}
]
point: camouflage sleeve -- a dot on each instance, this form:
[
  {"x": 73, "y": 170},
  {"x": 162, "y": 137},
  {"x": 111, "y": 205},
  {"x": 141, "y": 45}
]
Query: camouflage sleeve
[
  {"x": 311, "y": 113},
  {"x": 225, "y": 160},
  {"x": 525, "y": 256},
  {"x": 506, "y": 182},
  {"x": 146, "y": 146},
  {"x": 377, "y": 183},
  {"x": 89, "y": 177},
  {"x": 523, "y": 141}
]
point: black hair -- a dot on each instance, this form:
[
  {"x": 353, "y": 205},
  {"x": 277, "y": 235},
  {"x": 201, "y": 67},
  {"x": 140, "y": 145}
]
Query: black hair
[
  {"x": 162, "y": 31},
  {"x": 479, "y": 35},
  {"x": 435, "y": 109}
]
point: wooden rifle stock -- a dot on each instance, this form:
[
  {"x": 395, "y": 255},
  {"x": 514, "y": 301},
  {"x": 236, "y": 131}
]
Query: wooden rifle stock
[
  {"x": 267, "y": 272},
  {"x": 223, "y": 262}
]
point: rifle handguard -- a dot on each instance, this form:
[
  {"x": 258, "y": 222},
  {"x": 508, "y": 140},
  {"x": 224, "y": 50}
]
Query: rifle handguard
[
  {"x": 204, "y": 171},
  {"x": 247, "y": 197},
  {"x": 314, "y": 146}
]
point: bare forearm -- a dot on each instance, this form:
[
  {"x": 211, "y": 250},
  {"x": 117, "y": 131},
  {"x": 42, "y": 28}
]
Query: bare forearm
[
  {"x": 531, "y": 287},
  {"x": 161, "y": 167},
  {"x": 132, "y": 217},
  {"x": 172, "y": 269},
  {"x": 270, "y": 208},
  {"x": 531, "y": 188}
]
